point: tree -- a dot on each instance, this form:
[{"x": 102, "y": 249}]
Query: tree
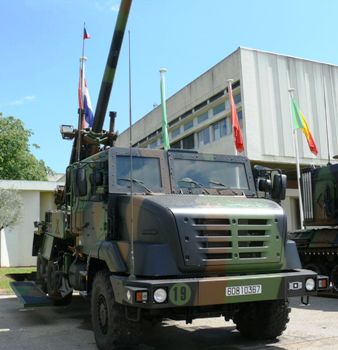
[
  {"x": 16, "y": 160},
  {"x": 10, "y": 207}
]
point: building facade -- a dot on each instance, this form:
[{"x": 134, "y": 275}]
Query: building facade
[{"x": 199, "y": 114}]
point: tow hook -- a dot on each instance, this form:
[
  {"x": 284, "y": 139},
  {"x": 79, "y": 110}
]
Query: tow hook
[{"x": 305, "y": 300}]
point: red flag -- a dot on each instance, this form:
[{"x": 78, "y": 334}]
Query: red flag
[
  {"x": 238, "y": 139},
  {"x": 85, "y": 34}
]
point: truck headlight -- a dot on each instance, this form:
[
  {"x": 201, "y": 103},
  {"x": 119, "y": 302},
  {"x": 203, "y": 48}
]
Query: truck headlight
[
  {"x": 310, "y": 284},
  {"x": 160, "y": 295}
]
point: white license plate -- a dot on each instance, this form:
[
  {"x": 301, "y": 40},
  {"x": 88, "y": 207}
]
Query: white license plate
[{"x": 243, "y": 290}]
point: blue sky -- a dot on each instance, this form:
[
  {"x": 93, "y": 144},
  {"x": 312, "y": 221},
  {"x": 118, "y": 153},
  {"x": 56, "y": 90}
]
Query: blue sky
[{"x": 41, "y": 44}]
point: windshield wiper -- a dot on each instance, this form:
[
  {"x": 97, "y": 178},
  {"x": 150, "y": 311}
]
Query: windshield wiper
[
  {"x": 139, "y": 182},
  {"x": 191, "y": 181},
  {"x": 218, "y": 183}
]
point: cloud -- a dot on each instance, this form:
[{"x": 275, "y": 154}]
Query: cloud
[
  {"x": 21, "y": 101},
  {"x": 115, "y": 7},
  {"x": 107, "y": 5}
]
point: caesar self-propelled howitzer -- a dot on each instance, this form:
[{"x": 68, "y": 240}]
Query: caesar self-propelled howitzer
[
  {"x": 153, "y": 234},
  {"x": 318, "y": 243}
]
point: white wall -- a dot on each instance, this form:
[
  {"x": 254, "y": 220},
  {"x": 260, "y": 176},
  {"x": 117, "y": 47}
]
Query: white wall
[{"x": 16, "y": 242}]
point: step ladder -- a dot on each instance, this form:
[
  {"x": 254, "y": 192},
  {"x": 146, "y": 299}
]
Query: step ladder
[{"x": 30, "y": 295}]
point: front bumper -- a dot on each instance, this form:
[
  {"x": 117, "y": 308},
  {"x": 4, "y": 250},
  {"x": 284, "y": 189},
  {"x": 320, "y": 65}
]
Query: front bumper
[{"x": 212, "y": 290}]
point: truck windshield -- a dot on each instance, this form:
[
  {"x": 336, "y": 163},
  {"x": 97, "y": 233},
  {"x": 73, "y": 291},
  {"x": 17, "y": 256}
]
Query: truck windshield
[
  {"x": 209, "y": 174},
  {"x": 145, "y": 175}
]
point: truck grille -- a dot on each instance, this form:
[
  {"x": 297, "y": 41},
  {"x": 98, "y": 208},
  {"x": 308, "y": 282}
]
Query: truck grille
[{"x": 230, "y": 241}]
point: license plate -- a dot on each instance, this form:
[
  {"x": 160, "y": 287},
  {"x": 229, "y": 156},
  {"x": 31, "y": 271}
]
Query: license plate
[{"x": 243, "y": 290}]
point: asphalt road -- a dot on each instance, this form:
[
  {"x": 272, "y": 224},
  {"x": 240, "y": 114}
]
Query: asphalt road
[{"x": 69, "y": 328}]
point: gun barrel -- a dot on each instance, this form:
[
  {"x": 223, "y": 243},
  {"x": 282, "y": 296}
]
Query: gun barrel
[{"x": 109, "y": 72}]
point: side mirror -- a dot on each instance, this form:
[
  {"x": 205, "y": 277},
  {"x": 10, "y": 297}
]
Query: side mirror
[
  {"x": 278, "y": 191},
  {"x": 96, "y": 178},
  {"x": 81, "y": 182}
]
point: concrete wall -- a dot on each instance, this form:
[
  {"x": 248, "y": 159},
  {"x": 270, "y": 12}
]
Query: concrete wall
[
  {"x": 291, "y": 208},
  {"x": 266, "y": 78}
]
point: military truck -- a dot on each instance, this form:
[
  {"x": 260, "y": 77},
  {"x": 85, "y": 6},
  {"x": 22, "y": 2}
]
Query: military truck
[
  {"x": 153, "y": 234},
  {"x": 318, "y": 242}
]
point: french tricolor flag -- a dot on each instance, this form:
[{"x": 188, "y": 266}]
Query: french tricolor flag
[
  {"x": 85, "y": 102},
  {"x": 85, "y": 34}
]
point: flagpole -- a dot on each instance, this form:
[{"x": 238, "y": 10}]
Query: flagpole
[
  {"x": 81, "y": 97},
  {"x": 83, "y": 38},
  {"x": 165, "y": 136},
  {"x": 326, "y": 125},
  {"x": 301, "y": 211},
  {"x": 82, "y": 60}
]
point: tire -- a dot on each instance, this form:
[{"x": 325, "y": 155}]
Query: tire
[
  {"x": 111, "y": 329},
  {"x": 334, "y": 278},
  {"x": 262, "y": 320},
  {"x": 318, "y": 268},
  {"x": 53, "y": 286}
]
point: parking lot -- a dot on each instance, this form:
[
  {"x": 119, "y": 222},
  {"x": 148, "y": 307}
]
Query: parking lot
[{"x": 311, "y": 327}]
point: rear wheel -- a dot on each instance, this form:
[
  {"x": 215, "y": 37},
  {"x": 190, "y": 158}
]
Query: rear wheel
[
  {"x": 262, "y": 320},
  {"x": 111, "y": 329}
]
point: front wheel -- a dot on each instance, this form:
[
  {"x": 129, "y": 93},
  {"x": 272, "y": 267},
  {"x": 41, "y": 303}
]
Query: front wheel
[
  {"x": 111, "y": 329},
  {"x": 262, "y": 320}
]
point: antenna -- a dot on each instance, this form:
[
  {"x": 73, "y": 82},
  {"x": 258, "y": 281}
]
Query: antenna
[{"x": 132, "y": 257}]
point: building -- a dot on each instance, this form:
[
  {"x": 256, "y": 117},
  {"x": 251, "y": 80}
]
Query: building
[
  {"x": 16, "y": 242},
  {"x": 199, "y": 115}
]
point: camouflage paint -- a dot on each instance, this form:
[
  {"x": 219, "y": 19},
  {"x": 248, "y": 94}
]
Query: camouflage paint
[
  {"x": 211, "y": 290},
  {"x": 318, "y": 245},
  {"x": 236, "y": 236}
]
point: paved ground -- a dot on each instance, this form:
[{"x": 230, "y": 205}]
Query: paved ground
[{"x": 69, "y": 328}]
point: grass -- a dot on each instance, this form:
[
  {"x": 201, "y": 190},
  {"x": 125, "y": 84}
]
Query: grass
[{"x": 4, "y": 280}]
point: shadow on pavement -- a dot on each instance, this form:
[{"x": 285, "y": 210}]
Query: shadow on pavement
[{"x": 316, "y": 303}]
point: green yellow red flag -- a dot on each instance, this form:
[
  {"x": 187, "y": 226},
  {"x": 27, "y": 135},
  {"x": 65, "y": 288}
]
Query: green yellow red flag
[{"x": 299, "y": 122}]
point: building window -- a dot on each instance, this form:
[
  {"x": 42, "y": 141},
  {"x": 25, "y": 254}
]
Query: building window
[
  {"x": 220, "y": 129},
  {"x": 202, "y": 118},
  {"x": 203, "y": 137},
  {"x": 237, "y": 99},
  {"x": 176, "y": 120},
  {"x": 189, "y": 142},
  {"x": 240, "y": 118},
  {"x": 227, "y": 105},
  {"x": 218, "y": 109},
  {"x": 176, "y": 144},
  {"x": 188, "y": 125},
  {"x": 175, "y": 133},
  {"x": 153, "y": 144}
]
